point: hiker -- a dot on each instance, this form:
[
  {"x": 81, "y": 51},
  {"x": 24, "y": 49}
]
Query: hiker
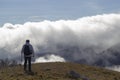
[{"x": 28, "y": 52}]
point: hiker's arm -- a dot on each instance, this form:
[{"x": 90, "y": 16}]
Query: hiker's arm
[
  {"x": 33, "y": 54},
  {"x": 22, "y": 50}
]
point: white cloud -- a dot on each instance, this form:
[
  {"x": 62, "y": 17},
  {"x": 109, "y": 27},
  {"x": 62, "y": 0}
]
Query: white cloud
[
  {"x": 115, "y": 68},
  {"x": 100, "y": 32},
  {"x": 49, "y": 58}
]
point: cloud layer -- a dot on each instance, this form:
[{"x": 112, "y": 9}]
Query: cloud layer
[
  {"x": 49, "y": 58},
  {"x": 98, "y": 32}
]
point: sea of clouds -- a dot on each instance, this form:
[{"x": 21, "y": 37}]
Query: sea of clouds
[{"x": 99, "y": 32}]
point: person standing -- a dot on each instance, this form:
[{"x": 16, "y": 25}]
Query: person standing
[{"x": 28, "y": 52}]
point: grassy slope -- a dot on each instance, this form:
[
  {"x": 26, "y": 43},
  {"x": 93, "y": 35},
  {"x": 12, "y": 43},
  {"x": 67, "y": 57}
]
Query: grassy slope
[{"x": 58, "y": 71}]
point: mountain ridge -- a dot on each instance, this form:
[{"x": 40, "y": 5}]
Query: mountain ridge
[{"x": 58, "y": 71}]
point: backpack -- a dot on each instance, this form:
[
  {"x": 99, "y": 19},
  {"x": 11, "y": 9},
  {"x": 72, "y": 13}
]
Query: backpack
[{"x": 27, "y": 50}]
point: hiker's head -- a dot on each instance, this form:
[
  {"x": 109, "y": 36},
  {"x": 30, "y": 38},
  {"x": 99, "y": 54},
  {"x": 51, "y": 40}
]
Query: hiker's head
[{"x": 27, "y": 41}]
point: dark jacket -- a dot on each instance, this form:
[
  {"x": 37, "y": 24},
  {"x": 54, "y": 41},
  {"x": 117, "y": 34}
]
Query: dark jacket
[{"x": 31, "y": 50}]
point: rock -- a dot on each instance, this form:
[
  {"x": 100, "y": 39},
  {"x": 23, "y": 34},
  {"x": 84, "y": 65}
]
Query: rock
[{"x": 74, "y": 75}]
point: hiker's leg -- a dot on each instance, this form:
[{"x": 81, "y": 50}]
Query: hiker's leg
[
  {"x": 29, "y": 61},
  {"x": 25, "y": 63}
]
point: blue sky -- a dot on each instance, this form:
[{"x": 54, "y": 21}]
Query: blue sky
[{"x": 20, "y": 11}]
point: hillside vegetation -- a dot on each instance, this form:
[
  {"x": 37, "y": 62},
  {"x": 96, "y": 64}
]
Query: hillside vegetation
[{"x": 58, "y": 71}]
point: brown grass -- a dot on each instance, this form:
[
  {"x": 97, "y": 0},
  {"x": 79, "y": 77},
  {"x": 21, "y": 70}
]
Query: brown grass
[{"x": 58, "y": 71}]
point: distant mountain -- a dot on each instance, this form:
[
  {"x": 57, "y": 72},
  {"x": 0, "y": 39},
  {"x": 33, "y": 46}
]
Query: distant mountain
[
  {"x": 109, "y": 57},
  {"x": 73, "y": 54},
  {"x": 88, "y": 55}
]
